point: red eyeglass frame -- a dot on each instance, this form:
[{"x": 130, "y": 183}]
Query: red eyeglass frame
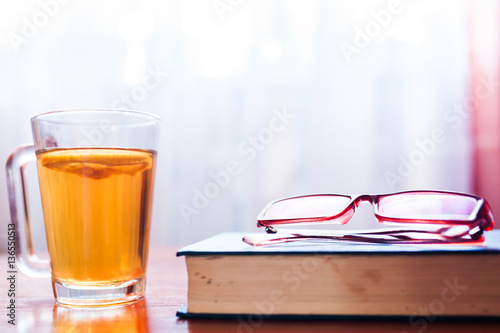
[{"x": 483, "y": 217}]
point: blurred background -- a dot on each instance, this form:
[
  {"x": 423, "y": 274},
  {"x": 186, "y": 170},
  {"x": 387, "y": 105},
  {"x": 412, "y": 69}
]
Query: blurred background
[{"x": 266, "y": 99}]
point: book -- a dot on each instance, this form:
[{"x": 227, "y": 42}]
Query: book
[{"x": 227, "y": 277}]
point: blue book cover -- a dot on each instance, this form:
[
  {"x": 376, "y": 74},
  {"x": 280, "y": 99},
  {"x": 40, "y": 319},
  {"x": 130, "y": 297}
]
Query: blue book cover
[{"x": 231, "y": 243}]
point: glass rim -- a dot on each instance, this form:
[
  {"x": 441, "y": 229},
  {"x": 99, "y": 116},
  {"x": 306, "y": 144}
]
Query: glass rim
[{"x": 45, "y": 116}]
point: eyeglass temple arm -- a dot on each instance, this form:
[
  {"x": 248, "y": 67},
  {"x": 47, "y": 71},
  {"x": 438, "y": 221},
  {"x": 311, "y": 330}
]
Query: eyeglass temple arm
[
  {"x": 485, "y": 215},
  {"x": 402, "y": 236}
]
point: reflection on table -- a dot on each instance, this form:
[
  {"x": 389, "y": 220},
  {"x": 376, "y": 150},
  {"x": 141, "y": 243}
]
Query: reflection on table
[{"x": 119, "y": 319}]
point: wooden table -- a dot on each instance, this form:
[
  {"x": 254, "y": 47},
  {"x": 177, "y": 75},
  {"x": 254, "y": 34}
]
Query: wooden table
[{"x": 166, "y": 292}]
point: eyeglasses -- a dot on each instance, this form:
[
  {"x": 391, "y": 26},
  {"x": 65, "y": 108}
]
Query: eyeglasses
[{"x": 418, "y": 217}]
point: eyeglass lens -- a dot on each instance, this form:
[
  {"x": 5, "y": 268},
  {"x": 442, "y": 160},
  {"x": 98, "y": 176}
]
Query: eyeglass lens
[
  {"x": 429, "y": 206},
  {"x": 308, "y": 207}
]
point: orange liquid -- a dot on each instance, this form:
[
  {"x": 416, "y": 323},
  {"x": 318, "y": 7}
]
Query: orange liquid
[{"x": 97, "y": 210}]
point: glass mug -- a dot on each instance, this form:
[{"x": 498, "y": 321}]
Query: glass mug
[{"x": 95, "y": 171}]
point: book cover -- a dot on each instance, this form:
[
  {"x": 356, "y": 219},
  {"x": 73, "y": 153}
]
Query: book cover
[{"x": 230, "y": 243}]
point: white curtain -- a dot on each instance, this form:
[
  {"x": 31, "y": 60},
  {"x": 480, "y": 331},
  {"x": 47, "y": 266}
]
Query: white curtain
[{"x": 259, "y": 99}]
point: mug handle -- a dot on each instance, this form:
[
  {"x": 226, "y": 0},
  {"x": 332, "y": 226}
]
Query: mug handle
[{"x": 26, "y": 259}]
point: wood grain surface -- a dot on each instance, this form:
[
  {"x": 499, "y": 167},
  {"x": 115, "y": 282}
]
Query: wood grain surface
[{"x": 166, "y": 292}]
